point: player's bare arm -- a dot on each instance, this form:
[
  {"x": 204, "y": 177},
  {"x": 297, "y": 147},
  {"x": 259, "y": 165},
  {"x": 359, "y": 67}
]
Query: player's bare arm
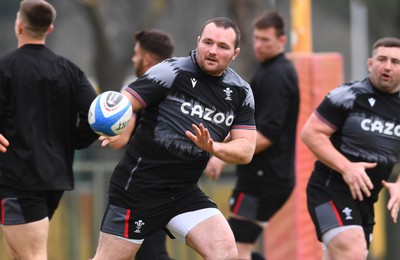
[
  {"x": 3, "y": 144},
  {"x": 262, "y": 143},
  {"x": 215, "y": 165},
  {"x": 119, "y": 141},
  {"x": 214, "y": 168},
  {"x": 315, "y": 135},
  {"x": 394, "y": 201},
  {"x": 238, "y": 150}
]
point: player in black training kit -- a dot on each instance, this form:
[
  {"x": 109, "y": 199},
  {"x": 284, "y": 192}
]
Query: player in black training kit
[
  {"x": 154, "y": 186},
  {"x": 355, "y": 135},
  {"x": 151, "y": 47},
  {"x": 44, "y": 102},
  {"x": 265, "y": 184}
]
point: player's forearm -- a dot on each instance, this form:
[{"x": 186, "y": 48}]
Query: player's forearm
[
  {"x": 262, "y": 143},
  {"x": 125, "y": 136},
  {"x": 239, "y": 151}
]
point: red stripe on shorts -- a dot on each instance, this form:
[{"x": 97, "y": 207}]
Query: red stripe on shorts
[
  {"x": 238, "y": 202},
  {"x": 126, "y": 229},
  {"x": 336, "y": 213},
  {"x": 2, "y": 211}
]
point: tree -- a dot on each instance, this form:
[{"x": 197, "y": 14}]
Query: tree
[{"x": 112, "y": 35}]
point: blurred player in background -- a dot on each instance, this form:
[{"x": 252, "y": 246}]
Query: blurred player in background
[
  {"x": 151, "y": 47},
  {"x": 191, "y": 104},
  {"x": 265, "y": 184},
  {"x": 355, "y": 135},
  {"x": 44, "y": 101}
]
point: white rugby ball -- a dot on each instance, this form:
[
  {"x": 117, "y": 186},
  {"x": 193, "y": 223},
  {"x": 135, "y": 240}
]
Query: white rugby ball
[{"x": 110, "y": 113}]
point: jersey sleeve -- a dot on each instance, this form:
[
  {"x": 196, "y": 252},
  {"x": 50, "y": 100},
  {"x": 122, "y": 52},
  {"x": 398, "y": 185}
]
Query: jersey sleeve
[
  {"x": 84, "y": 135},
  {"x": 245, "y": 117},
  {"x": 154, "y": 84},
  {"x": 335, "y": 106}
]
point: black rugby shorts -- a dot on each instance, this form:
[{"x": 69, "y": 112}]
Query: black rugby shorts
[
  {"x": 259, "y": 204},
  {"x": 31, "y": 207},
  {"x": 142, "y": 221},
  {"x": 331, "y": 205}
]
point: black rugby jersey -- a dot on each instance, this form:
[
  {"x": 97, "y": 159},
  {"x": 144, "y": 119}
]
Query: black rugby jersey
[
  {"x": 42, "y": 96},
  {"x": 276, "y": 94},
  {"x": 368, "y": 123},
  {"x": 176, "y": 94}
]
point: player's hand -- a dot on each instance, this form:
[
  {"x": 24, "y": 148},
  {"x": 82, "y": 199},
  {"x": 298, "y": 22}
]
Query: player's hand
[
  {"x": 201, "y": 137},
  {"x": 394, "y": 201},
  {"x": 108, "y": 140},
  {"x": 3, "y": 144},
  {"x": 214, "y": 168},
  {"x": 358, "y": 180}
]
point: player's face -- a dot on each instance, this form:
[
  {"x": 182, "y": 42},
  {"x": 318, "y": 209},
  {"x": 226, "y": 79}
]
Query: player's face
[
  {"x": 384, "y": 68},
  {"x": 216, "y": 49},
  {"x": 267, "y": 44},
  {"x": 138, "y": 60}
]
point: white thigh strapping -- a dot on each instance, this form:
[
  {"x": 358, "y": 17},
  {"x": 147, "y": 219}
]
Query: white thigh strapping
[
  {"x": 134, "y": 241},
  {"x": 181, "y": 224},
  {"x": 330, "y": 234}
]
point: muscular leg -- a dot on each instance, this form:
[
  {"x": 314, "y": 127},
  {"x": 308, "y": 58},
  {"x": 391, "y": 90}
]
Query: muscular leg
[
  {"x": 348, "y": 244},
  {"x": 28, "y": 241},
  {"x": 213, "y": 239},
  {"x": 10, "y": 253},
  {"x": 113, "y": 248}
]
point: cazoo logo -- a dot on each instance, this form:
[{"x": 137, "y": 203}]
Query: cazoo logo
[
  {"x": 207, "y": 114},
  {"x": 386, "y": 128}
]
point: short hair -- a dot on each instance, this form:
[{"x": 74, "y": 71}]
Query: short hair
[
  {"x": 386, "y": 42},
  {"x": 37, "y": 15},
  {"x": 268, "y": 19},
  {"x": 156, "y": 42},
  {"x": 225, "y": 23}
]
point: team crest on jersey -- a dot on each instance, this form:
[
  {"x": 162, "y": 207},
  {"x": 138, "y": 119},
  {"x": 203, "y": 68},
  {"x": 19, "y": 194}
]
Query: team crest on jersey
[{"x": 228, "y": 93}]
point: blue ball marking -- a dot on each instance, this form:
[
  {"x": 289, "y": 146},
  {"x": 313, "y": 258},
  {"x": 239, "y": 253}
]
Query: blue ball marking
[{"x": 102, "y": 123}]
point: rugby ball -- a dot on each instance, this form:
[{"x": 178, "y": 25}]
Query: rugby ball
[{"x": 110, "y": 113}]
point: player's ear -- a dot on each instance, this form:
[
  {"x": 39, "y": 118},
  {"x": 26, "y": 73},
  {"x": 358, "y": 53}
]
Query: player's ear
[
  {"x": 19, "y": 26},
  {"x": 51, "y": 28},
  {"x": 236, "y": 53},
  {"x": 369, "y": 64},
  {"x": 283, "y": 39}
]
